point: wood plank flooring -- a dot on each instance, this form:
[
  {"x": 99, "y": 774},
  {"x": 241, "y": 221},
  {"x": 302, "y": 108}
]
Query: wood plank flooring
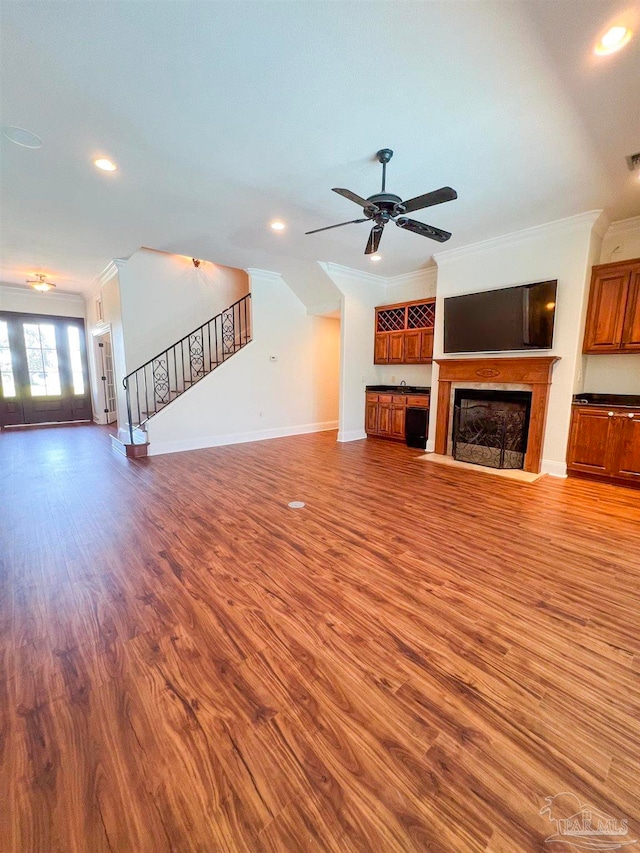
[{"x": 413, "y": 662}]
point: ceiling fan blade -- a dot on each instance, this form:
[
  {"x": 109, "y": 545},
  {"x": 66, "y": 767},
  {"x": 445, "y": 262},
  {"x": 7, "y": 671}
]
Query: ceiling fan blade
[
  {"x": 362, "y": 202},
  {"x": 339, "y": 225},
  {"x": 421, "y": 228},
  {"x": 374, "y": 240},
  {"x": 427, "y": 200}
]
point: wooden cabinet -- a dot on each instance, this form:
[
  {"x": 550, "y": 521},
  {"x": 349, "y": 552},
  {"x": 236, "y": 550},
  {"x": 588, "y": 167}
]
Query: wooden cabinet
[
  {"x": 613, "y": 315},
  {"x": 605, "y": 442},
  {"x": 396, "y": 348},
  {"x": 404, "y": 332},
  {"x": 385, "y": 414}
]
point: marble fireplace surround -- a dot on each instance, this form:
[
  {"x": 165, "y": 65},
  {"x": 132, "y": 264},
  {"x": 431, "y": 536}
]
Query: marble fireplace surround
[{"x": 529, "y": 373}]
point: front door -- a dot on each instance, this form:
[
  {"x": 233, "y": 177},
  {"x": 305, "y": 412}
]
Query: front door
[{"x": 43, "y": 369}]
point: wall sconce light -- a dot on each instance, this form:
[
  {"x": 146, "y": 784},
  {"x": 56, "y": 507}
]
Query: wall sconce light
[
  {"x": 633, "y": 162},
  {"x": 196, "y": 262}
]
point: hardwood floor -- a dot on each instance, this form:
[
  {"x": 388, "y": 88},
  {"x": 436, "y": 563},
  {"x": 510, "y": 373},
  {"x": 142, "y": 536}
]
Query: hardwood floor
[{"x": 415, "y": 661}]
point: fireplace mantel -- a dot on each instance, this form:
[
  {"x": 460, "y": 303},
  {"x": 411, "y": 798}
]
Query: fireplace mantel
[{"x": 534, "y": 371}]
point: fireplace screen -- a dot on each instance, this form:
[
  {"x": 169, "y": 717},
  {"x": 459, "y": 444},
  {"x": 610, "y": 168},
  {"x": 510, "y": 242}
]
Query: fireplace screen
[{"x": 490, "y": 427}]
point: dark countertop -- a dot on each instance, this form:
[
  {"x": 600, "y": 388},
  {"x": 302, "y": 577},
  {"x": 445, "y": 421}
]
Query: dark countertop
[
  {"x": 399, "y": 389},
  {"x": 631, "y": 401}
]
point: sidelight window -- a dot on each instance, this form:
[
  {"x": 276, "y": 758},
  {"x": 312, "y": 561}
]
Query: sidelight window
[
  {"x": 76, "y": 359},
  {"x": 6, "y": 368}
]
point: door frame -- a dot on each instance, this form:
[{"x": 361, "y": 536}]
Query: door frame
[
  {"x": 103, "y": 415},
  {"x": 15, "y": 320}
]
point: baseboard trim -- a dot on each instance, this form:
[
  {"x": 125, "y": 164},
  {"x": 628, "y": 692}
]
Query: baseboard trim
[
  {"x": 159, "y": 448},
  {"x": 554, "y": 469},
  {"x": 351, "y": 435}
]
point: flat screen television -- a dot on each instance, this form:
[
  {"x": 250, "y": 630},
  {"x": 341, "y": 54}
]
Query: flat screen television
[{"x": 512, "y": 318}]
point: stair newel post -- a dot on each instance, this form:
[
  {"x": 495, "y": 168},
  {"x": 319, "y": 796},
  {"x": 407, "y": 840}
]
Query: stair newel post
[
  {"x": 209, "y": 339},
  {"x": 138, "y": 396},
  {"x": 128, "y": 397}
]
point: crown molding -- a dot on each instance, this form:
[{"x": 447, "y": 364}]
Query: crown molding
[
  {"x": 111, "y": 269},
  {"x": 516, "y": 238},
  {"x": 351, "y": 274},
  {"x": 265, "y": 275},
  {"x": 58, "y": 295},
  {"x": 426, "y": 275},
  {"x": 623, "y": 225}
]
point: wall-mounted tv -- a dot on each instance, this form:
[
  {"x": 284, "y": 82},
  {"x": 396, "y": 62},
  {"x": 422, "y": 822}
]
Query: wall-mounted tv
[{"x": 513, "y": 318}]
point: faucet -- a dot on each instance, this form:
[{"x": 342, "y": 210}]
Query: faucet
[{"x": 402, "y": 383}]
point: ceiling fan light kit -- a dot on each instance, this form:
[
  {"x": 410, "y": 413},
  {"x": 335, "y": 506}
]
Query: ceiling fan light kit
[
  {"x": 40, "y": 284},
  {"x": 384, "y": 207}
]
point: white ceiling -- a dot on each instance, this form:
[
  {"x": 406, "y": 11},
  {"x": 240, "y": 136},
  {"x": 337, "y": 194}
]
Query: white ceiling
[{"x": 225, "y": 115}]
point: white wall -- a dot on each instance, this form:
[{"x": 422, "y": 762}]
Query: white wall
[
  {"x": 562, "y": 250},
  {"x": 164, "y": 297},
  {"x": 28, "y": 301},
  {"x": 250, "y": 397},
  {"x": 361, "y": 293},
  {"x": 615, "y": 374}
]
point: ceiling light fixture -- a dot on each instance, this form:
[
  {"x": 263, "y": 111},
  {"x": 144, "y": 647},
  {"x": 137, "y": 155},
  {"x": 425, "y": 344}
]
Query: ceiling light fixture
[
  {"x": 376, "y": 257},
  {"x": 196, "y": 262},
  {"x": 278, "y": 226},
  {"x": 22, "y": 137},
  {"x": 105, "y": 164},
  {"x": 614, "y": 39},
  {"x": 40, "y": 284}
]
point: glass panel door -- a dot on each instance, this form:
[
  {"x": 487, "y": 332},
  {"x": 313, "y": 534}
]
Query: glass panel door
[
  {"x": 43, "y": 369},
  {"x": 42, "y": 359}
]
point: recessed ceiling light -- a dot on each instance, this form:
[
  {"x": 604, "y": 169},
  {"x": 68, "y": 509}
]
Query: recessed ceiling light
[
  {"x": 614, "y": 39},
  {"x": 22, "y": 137},
  {"x": 105, "y": 165},
  {"x": 278, "y": 226},
  {"x": 376, "y": 257}
]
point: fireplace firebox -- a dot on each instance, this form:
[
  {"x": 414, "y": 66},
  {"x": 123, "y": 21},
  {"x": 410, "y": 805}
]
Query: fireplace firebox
[{"x": 491, "y": 427}]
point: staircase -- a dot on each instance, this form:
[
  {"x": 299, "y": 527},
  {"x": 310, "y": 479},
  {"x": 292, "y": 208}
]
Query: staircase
[{"x": 169, "y": 374}]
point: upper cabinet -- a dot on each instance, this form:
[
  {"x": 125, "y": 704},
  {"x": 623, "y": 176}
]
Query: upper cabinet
[
  {"x": 404, "y": 332},
  {"x": 613, "y": 316}
]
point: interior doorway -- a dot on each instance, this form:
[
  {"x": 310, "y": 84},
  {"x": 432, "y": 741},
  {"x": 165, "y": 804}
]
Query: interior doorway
[
  {"x": 107, "y": 377},
  {"x": 43, "y": 370}
]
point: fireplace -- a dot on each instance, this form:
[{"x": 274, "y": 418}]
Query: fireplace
[
  {"x": 491, "y": 427},
  {"x": 530, "y": 373}
]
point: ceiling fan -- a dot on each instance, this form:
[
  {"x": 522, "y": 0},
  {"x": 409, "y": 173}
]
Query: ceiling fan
[
  {"x": 39, "y": 282},
  {"x": 384, "y": 207}
]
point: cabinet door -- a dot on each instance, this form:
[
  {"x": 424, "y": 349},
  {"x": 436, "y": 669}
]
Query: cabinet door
[
  {"x": 371, "y": 418},
  {"x": 631, "y": 331},
  {"x": 592, "y": 441},
  {"x": 396, "y": 347},
  {"x": 396, "y": 428},
  {"x": 381, "y": 352},
  {"x": 605, "y": 317},
  {"x": 426, "y": 346},
  {"x": 384, "y": 419},
  {"x": 412, "y": 344},
  {"x": 627, "y": 461}
]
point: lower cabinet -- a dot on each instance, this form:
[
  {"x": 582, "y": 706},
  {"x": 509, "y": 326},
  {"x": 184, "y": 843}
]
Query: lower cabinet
[
  {"x": 386, "y": 414},
  {"x": 605, "y": 443}
]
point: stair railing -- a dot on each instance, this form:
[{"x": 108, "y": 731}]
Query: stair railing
[{"x": 173, "y": 371}]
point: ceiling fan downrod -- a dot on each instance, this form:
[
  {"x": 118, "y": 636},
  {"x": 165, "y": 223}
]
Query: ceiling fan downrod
[{"x": 384, "y": 155}]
